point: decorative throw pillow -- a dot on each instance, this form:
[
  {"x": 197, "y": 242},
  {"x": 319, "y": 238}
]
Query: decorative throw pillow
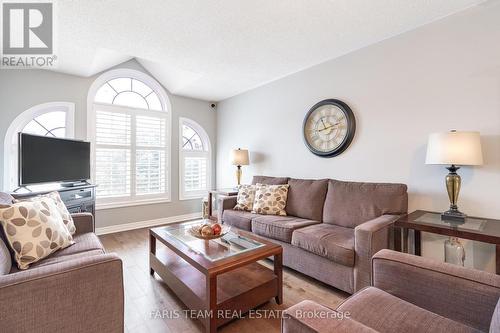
[
  {"x": 246, "y": 196},
  {"x": 270, "y": 199},
  {"x": 65, "y": 214},
  {"x": 34, "y": 229}
]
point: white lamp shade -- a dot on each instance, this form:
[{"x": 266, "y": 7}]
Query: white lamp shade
[
  {"x": 239, "y": 157},
  {"x": 459, "y": 148}
]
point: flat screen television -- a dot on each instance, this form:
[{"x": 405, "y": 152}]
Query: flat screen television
[{"x": 47, "y": 160}]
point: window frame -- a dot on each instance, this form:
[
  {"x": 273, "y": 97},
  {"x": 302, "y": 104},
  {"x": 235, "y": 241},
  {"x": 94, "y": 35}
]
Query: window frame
[
  {"x": 11, "y": 140},
  {"x": 207, "y": 152},
  {"x": 133, "y": 199}
]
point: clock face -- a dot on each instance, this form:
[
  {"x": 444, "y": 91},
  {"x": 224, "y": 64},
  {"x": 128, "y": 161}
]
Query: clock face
[{"x": 329, "y": 128}]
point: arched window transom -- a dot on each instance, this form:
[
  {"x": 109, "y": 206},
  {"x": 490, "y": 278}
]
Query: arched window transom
[
  {"x": 48, "y": 124},
  {"x": 191, "y": 139},
  {"x": 129, "y": 92}
]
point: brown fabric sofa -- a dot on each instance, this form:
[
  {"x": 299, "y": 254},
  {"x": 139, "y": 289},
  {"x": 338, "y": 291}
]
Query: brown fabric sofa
[
  {"x": 77, "y": 289},
  {"x": 409, "y": 294},
  {"x": 332, "y": 227}
]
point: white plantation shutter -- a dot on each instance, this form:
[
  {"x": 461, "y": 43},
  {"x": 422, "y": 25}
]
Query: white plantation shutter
[
  {"x": 112, "y": 154},
  {"x": 130, "y": 143},
  {"x": 112, "y": 172},
  {"x": 194, "y": 160},
  {"x": 150, "y": 155},
  {"x": 195, "y": 173}
]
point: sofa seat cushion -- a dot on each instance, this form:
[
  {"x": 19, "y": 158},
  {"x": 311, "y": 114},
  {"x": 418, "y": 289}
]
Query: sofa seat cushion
[
  {"x": 306, "y": 198},
  {"x": 83, "y": 243},
  {"x": 386, "y": 313},
  {"x": 238, "y": 219},
  {"x": 279, "y": 227},
  {"x": 327, "y": 240},
  {"x": 53, "y": 259}
]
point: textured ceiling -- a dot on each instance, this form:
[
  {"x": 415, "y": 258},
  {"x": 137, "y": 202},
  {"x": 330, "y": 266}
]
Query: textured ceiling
[{"x": 215, "y": 49}]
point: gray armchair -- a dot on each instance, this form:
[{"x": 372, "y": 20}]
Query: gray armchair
[
  {"x": 79, "y": 288},
  {"x": 409, "y": 294}
]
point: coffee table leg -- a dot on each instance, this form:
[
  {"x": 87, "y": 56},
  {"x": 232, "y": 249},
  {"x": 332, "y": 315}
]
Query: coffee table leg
[
  {"x": 211, "y": 324},
  {"x": 152, "y": 250},
  {"x": 278, "y": 271}
]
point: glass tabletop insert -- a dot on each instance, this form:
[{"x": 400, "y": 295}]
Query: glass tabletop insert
[
  {"x": 215, "y": 249},
  {"x": 472, "y": 224}
]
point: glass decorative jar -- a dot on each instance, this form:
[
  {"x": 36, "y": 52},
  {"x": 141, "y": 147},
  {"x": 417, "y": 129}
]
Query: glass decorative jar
[{"x": 454, "y": 252}]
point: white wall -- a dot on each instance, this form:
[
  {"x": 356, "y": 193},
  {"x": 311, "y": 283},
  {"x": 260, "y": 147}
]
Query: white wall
[{"x": 442, "y": 76}]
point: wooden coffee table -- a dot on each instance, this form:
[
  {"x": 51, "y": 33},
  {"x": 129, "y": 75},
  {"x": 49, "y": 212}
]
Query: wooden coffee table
[{"x": 220, "y": 277}]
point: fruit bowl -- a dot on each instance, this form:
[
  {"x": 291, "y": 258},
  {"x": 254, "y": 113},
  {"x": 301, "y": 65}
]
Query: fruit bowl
[{"x": 209, "y": 230}]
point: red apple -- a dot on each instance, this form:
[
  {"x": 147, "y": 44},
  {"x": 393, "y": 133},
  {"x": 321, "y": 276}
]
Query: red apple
[{"x": 216, "y": 227}]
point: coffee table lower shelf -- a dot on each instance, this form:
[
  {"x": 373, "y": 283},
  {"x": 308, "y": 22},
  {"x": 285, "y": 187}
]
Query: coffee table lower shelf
[{"x": 237, "y": 291}]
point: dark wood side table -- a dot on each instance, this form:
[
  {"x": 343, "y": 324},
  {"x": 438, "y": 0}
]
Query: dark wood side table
[
  {"x": 223, "y": 191},
  {"x": 475, "y": 228}
]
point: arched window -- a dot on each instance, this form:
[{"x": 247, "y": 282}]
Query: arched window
[
  {"x": 54, "y": 119},
  {"x": 194, "y": 160},
  {"x": 129, "y": 124}
]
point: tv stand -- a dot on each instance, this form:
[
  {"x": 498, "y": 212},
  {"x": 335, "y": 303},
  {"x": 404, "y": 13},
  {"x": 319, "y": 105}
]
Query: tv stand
[{"x": 75, "y": 184}]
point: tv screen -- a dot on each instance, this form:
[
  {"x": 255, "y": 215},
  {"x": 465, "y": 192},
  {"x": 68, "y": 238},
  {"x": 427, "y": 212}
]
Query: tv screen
[{"x": 46, "y": 160}]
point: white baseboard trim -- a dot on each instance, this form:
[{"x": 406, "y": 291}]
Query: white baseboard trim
[{"x": 146, "y": 224}]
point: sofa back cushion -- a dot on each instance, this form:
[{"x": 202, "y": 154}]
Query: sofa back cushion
[
  {"x": 349, "y": 204},
  {"x": 5, "y": 258},
  {"x": 5, "y": 253},
  {"x": 269, "y": 180},
  {"x": 306, "y": 198}
]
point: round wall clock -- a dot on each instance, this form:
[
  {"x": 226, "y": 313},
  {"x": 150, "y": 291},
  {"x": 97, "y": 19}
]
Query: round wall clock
[{"x": 329, "y": 128}]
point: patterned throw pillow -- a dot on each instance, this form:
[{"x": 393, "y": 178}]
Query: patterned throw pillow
[
  {"x": 65, "y": 214},
  {"x": 246, "y": 196},
  {"x": 34, "y": 229},
  {"x": 270, "y": 199}
]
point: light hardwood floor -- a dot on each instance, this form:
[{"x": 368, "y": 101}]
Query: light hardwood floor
[{"x": 145, "y": 295}]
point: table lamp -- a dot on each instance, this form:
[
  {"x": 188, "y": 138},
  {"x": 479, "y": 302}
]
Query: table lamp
[
  {"x": 239, "y": 157},
  {"x": 454, "y": 149}
]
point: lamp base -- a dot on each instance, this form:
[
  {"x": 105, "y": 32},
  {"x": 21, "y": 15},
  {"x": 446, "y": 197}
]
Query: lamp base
[
  {"x": 238, "y": 175},
  {"x": 453, "y": 215},
  {"x": 453, "y": 182}
]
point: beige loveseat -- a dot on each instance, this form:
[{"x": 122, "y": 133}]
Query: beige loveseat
[
  {"x": 77, "y": 289},
  {"x": 332, "y": 228}
]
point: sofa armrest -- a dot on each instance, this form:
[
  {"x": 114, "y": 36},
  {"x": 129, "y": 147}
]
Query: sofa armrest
[
  {"x": 369, "y": 238},
  {"x": 309, "y": 317},
  {"x": 462, "y": 294},
  {"x": 225, "y": 202},
  {"x": 86, "y": 294},
  {"x": 84, "y": 222}
]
